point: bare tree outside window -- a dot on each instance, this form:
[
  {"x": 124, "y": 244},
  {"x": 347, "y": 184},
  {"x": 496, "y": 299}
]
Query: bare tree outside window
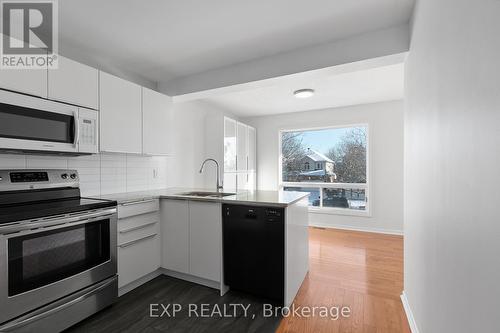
[{"x": 330, "y": 156}]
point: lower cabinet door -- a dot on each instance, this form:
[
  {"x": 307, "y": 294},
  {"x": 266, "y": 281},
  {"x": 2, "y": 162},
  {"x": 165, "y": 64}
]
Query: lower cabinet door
[
  {"x": 137, "y": 258},
  {"x": 175, "y": 235},
  {"x": 205, "y": 239}
]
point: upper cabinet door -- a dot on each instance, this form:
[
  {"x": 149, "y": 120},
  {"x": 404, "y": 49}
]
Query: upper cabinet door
[
  {"x": 121, "y": 116},
  {"x": 157, "y": 123},
  {"x": 252, "y": 150},
  {"x": 27, "y": 81},
  {"x": 74, "y": 83},
  {"x": 242, "y": 150},
  {"x": 229, "y": 145}
]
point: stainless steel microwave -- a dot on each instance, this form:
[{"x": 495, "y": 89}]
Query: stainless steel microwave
[{"x": 31, "y": 124}]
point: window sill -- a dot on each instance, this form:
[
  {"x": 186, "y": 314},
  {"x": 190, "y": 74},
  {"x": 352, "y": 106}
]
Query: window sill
[{"x": 339, "y": 211}]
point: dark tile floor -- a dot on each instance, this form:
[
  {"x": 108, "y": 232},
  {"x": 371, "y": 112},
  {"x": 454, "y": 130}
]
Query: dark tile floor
[{"x": 132, "y": 312}]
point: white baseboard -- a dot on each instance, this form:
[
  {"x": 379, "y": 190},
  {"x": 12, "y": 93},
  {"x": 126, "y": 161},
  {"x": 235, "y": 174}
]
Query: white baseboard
[
  {"x": 409, "y": 314},
  {"x": 345, "y": 227}
]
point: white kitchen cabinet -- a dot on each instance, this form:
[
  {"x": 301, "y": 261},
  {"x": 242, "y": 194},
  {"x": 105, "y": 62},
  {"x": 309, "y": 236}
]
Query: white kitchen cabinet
[
  {"x": 205, "y": 239},
  {"x": 240, "y": 150},
  {"x": 27, "y": 81},
  {"x": 229, "y": 145},
  {"x": 242, "y": 181},
  {"x": 252, "y": 181},
  {"x": 175, "y": 235},
  {"x": 252, "y": 148},
  {"x": 230, "y": 179},
  {"x": 74, "y": 83},
  {"x": 120, "y": 115},
  {"x": 138, "y": 259},
  {"x": 139, "y": 247},
  {"x": 242, "y": 147},
  {"x": 156, "y": 123}
]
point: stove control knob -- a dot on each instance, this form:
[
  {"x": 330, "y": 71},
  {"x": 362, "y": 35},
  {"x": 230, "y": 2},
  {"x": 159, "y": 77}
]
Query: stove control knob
[
  {"x": 64, "y": 176},
  {"x": 73, "y": 176}
]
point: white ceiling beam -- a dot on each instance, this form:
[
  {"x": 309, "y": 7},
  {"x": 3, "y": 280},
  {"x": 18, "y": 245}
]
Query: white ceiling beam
[{"x": 382, "y": 47}]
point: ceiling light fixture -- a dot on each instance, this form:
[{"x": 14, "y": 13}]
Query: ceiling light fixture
[{"x": 303, "y": 93}]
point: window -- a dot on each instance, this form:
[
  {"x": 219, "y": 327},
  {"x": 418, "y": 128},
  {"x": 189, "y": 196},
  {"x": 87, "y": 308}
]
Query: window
[{"x": 339, "y": 177}]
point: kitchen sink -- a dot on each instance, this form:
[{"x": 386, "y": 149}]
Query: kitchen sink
[{"x": 206, "y": 194}]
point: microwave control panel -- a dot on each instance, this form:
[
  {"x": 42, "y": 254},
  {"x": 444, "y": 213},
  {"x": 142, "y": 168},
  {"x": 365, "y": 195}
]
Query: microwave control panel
[{"x": 87, "y": 131}]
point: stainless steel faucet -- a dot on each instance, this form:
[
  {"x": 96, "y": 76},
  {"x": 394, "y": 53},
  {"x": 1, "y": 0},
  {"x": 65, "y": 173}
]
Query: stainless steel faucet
[{"x": 219, "y": 183}]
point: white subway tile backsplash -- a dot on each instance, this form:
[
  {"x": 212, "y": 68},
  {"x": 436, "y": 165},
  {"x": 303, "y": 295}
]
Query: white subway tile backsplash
[
  {"x": 46, "y": 162},
  {"x": 113, "y": 173},
  {"x": 101, "y": 173},
  {"x": 89, "y": 170},
  {"x": 138, "y": 172}
]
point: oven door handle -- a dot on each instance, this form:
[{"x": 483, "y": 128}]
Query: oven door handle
[
  {"x": 56, "y": 222},
  {"x": 15, "y": 324}
]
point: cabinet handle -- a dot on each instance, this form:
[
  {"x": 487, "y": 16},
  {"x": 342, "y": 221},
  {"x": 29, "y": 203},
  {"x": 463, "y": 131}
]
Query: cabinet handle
[
  {"x": 124, "y": 231},
  {"x": 130, "y": 203},
  {"x": 127, "y": 244}
]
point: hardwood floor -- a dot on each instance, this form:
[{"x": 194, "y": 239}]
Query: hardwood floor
[{"x": 363, "y": 271}]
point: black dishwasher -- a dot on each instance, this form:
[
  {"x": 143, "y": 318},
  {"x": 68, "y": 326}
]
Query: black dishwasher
[{"x": 254, "y": 250}]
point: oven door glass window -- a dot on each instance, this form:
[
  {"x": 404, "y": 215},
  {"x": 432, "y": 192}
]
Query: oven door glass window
[
  {"x": 17, "y": 122},
  {"x": 41, "y": 258}
]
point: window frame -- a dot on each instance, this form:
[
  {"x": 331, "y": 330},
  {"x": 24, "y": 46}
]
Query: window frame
[{"x": 331, "y": 210}]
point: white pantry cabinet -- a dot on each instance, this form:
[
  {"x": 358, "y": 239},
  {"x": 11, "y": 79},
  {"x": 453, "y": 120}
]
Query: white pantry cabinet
[
  {"x": 120, "y": 115},
  {"x": 240, "y": 155},
  {"x": 139, "y": 240},
  {"x": 192, "y": 237},
  {"x": 229, "y": 145},
  {"x": 74, "y": 83},
  {"x": 230, "y": 179},
  {"x": 156, "y": 123},
  {"x": 175, "y": 235},
  {"x": 205, "y": 239},
  {"x": 242, "y": 144},
  {"x": 252, "y": 149}
]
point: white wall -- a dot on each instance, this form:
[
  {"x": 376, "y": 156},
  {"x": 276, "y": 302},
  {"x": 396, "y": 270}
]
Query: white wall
[
  {"x": 385, "y": 121},
  {"x": 452, "y": 140},
  {"x": 198, "y": 134},
  {"x": 100, "y": 173}
]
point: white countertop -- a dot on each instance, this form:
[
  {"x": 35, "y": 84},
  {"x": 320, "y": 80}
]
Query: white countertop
[{"x": 272, "y": 198}]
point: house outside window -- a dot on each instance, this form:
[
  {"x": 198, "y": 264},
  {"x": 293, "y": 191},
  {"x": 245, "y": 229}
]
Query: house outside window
[{"x": 338, "y": 181}]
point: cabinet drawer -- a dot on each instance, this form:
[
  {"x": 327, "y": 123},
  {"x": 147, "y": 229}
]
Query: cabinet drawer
[
  {"x": 137, "y": 227},
  {"x": 138, "y": 258},
  {"x": 139, "y": 207}
]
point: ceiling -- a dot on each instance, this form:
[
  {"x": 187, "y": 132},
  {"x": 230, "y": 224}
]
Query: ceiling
[
  {"x": 165, "y": 39},
  {"x": 373, "y": 85}
]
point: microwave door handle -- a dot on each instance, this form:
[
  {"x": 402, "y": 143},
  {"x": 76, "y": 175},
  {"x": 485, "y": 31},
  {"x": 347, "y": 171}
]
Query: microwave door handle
[{"x": 76, "y": 125}]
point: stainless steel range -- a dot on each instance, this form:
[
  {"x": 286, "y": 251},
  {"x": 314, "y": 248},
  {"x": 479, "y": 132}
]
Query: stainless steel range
[{"x": 57, "y": 251}]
